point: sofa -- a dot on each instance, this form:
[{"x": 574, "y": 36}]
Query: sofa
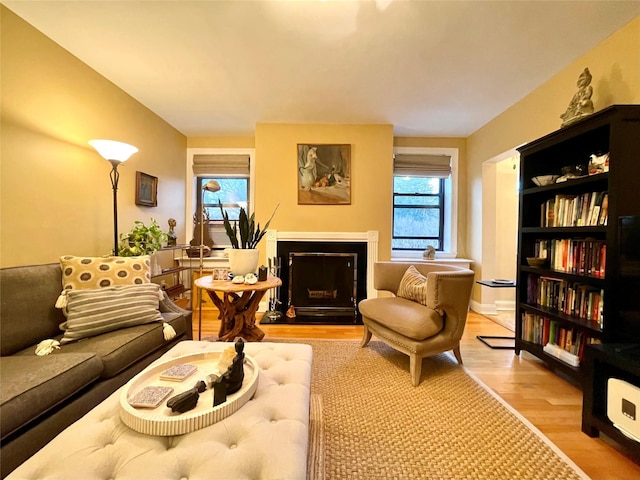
[{"x": 42, "y": 395}]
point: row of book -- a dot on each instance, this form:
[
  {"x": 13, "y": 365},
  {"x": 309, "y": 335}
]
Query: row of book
[
  {"x": 544, "y": 331},
  {"x": 587, "y": 209},
  {"x": 570, "y": 298},
  {"x": 580, "y": 256}
]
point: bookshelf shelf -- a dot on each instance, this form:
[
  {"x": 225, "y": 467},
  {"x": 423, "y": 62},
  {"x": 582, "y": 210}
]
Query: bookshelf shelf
[{"x": 574, "y": 224}]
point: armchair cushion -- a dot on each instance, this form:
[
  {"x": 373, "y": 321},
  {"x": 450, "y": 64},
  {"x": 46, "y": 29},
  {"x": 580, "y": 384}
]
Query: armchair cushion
[
  {"x": 413, "y": 286},
  {"x": 406, "y": 317}
]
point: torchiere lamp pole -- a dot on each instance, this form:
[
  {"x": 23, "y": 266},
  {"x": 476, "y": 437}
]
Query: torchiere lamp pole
[
  {"x": 115, "y": 153},
  {"x": 210, "y": 186}
]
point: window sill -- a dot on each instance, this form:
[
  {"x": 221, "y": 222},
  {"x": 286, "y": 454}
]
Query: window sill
[{"x": 460, "y": 262}]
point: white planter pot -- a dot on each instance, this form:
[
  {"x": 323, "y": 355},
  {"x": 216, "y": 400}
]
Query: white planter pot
[{"x": 243, "y": 261}]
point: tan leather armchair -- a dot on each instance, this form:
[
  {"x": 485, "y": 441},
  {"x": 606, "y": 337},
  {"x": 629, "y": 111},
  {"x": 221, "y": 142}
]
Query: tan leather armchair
[{"x": 411, "y": 327}]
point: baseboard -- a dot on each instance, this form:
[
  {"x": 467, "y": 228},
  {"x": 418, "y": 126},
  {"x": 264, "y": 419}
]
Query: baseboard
[
  {"x": 506, "y": 305},
  {"x": 483, "y": 308}
]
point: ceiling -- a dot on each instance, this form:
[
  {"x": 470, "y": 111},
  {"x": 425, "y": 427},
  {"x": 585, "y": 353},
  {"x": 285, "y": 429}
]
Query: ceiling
[{"x": 429, "y": 68}]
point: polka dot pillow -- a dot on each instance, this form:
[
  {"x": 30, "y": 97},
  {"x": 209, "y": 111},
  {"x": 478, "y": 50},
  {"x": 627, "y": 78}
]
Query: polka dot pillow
[{"x": 83, "y": 273}]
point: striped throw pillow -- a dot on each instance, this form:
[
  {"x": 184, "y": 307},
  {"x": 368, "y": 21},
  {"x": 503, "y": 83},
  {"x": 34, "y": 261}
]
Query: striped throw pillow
[
  {"x": 413, "y": 286},
  {"x": 93, "y": 312}
]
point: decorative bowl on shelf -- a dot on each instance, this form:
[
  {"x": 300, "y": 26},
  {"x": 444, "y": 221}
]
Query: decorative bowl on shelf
[
  {"x": 542, "y": 180},
  {"x": 536, "y": 261}
]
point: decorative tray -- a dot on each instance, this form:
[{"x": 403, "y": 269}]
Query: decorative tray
[{"x": 161, "y": 421}]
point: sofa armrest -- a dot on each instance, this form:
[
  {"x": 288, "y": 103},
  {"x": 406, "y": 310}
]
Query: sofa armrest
[{"x": 168, "y": 306}]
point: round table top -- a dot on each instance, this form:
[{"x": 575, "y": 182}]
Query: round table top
[{"x": 208, "y": 283}]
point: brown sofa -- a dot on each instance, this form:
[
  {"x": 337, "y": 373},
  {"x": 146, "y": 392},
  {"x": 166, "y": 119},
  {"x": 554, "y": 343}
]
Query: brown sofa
[{"x": 42, "y": 395}]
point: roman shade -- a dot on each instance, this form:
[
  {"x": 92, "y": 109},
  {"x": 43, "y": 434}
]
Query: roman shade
[
  {"x": 438, "y": 166},
  {"x": 236, "y": 165}
]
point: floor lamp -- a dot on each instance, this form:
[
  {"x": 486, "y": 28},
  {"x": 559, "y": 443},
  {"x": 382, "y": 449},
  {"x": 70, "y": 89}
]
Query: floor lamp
[
  {"x": 115, "y": 153},
  {"x": 210, "y": 186}
]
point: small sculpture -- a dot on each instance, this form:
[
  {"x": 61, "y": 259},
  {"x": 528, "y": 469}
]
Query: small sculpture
[
  {"x": 172, "y": 238},
  {"x": 219, "y": 391},
  {"x": 581, "y": 104},
  {"x": 235, "y": 373},
  {"x": 598, "y": 164},
  {"x": 429, "y": 253},
  {"x": 291, "y": 312},
  {"x": 185, "y": 401}
]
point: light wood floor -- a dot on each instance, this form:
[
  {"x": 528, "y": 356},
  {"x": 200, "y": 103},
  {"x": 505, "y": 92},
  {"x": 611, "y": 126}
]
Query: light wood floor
[{"x": 550, "y": 403}]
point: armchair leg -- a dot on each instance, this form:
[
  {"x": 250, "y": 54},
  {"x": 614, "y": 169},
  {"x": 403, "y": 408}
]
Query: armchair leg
[
  {"x": 366, "y": 336},
  {"x": 456, "y": 353},
  {"x": 415, "y": 369}
]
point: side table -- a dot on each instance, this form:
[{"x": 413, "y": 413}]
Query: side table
[
  {"x": 487, "y": 338},
  {"x": 238, "y": 305}
]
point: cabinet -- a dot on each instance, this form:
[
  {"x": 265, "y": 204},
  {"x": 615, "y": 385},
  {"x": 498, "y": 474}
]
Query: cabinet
[
  {"x": 173, "y": 274},
  {"x": 571, "y": 300},
  {"x": 603, "y": 362}
]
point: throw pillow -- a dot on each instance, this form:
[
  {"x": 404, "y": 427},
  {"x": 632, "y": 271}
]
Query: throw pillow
[
  {"x": 413, "y": 286},
  {"x": 99, "y": 272},
  {"x": 93, "y": 312}
]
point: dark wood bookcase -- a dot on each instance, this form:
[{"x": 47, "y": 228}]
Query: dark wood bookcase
[{"x": 544, "y": 306}]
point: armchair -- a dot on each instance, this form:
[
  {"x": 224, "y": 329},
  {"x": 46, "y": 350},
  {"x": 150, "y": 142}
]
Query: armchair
[{"x": 413, "y": 328}]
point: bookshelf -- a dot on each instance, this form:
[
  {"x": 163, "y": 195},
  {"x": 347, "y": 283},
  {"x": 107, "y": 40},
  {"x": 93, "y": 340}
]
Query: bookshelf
[{"x": 570, "y": 300}]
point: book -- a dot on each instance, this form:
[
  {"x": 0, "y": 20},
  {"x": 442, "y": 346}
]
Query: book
[
  {"x": 150, "y": 397},
  {"x": 178, "y": 373}
]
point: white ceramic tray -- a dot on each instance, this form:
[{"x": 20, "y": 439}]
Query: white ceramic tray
[{"x": 161, "y": 421}]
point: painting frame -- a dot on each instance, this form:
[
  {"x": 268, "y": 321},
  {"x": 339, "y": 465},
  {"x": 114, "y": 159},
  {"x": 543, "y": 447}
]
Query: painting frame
[
  {"x": 324, "y": 173},
  {"x": 146, "y": 190}
]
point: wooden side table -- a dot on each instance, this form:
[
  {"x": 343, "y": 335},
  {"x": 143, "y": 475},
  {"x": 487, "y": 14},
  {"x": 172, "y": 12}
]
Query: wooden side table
[{"x": 238, "y": 304}]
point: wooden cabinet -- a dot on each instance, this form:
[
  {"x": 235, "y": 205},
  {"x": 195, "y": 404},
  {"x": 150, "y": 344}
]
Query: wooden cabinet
[{"x": 571, "y": 300}]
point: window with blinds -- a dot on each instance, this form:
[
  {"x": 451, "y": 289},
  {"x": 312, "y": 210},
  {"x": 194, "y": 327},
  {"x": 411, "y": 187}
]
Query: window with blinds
[{"x": 419, "y": 201}]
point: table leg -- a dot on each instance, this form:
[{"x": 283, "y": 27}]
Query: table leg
[{"x": 238, "y": 315}]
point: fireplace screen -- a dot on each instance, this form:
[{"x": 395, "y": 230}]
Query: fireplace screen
[{"x": 323, "y": 284}]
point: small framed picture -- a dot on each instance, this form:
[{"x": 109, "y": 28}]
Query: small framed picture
[{"x": 146, "y": 190}]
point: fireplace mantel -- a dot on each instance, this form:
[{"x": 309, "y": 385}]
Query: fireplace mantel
[{"x": 370, "y": 237}]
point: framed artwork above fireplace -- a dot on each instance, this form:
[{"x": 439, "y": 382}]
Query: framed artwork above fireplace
[{"x": 324, "y": 174}]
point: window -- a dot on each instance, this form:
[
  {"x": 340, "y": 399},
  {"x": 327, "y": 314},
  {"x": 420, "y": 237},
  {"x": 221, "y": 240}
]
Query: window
[
  {"x": 418, "y": 213},
  {"x": 424, "y": 202},
  {"x": 232, "y": 169},
  {"x": 233, "y": 194}
]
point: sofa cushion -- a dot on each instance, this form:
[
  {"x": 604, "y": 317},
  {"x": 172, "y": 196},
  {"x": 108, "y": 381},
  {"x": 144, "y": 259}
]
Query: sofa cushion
[
  {"x": 98, "y": 272},
  {"x": 121, "y": 348},
  {"x": 406, "y": 317},
  {"x": 28, "y": 314},
  {"x": 413, "y": 286},
  {"x": 32, "y": 385},
  {"x": 94, "y": 312}
]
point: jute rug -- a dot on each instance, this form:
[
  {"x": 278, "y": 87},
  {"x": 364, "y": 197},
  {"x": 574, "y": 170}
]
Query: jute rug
[{"x": 368, "y": 422}]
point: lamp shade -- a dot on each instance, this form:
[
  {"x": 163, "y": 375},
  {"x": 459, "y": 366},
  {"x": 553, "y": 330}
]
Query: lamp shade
[
  {"x": 112, "y": 150},
  {"x": 211, "y": 186}
]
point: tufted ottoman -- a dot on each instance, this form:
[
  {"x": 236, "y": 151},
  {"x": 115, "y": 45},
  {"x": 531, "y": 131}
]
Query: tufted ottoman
[{"x": 266, "y": 439}]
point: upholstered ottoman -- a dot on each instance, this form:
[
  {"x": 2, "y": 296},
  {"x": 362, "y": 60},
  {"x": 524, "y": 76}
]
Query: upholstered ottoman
[{"x": 266, "y": 439}]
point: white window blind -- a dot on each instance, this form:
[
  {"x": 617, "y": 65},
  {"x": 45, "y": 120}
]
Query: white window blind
[
  {"x": 235, "y": 165},
  {"x": 438, "y": 166}
]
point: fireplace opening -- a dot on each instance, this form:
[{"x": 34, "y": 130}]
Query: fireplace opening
[
  {"x": 323, "y": 284},
  {"x": 345, "y": 273}
]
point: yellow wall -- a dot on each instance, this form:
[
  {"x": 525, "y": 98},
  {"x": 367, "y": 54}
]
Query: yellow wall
[
  {"x": 56, "y": 196},
  {"x": 615, "y": 67},
  {"x": 371, "y": 174}
]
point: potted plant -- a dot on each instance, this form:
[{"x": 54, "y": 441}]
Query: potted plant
[
  {"x": 142, "y": 239},
  {"x": 244, "y": 235}
]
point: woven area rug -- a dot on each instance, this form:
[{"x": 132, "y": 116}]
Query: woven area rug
[{"x": 368, "y": 422}]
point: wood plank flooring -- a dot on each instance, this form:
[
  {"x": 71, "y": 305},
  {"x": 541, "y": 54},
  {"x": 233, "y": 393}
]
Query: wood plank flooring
[{"x": 549, "y": 402}]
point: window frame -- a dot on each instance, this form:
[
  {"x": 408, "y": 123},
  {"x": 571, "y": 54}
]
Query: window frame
[
  {"x": 450, "y": 217},
  {"x": 440, "y": 206},
  {"x": 193, "y": 192}
]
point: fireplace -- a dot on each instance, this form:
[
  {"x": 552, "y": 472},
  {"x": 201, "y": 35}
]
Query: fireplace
[
  {"x": 323, "y": 284},
  {"x": 323, "y": 281}
]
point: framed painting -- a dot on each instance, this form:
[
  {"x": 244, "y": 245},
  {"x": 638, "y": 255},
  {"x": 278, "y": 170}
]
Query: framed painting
[
  {"x": 324, "y": 174},
  {"x": 146, "y": 190}
]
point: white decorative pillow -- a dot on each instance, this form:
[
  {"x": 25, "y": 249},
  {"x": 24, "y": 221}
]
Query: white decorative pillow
[
  {"x": 97, "y": 311},
  {"x": 99, "y": 272},
  {"x": 413, "y": 286}
]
